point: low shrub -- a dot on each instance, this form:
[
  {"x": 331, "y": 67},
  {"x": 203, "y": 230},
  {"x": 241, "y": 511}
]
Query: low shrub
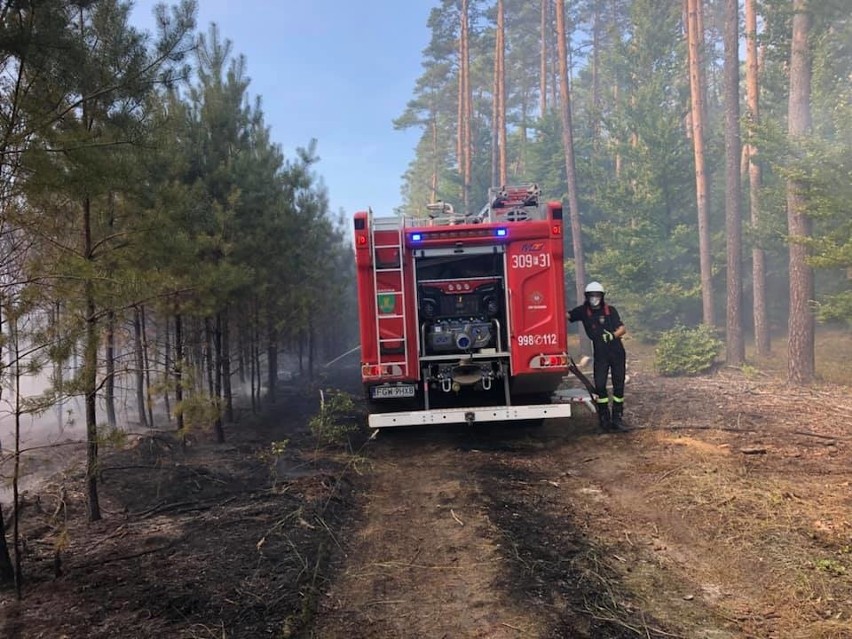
[
  {"x": 337, "y": 418},
  {"x": 686, "y": 350}
]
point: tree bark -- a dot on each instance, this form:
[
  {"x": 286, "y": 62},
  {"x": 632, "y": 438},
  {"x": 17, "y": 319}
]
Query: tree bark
[
  {"x": 568, "y": 147},
  {"x": 495, "y": 114},
  {"x": 272, "y": 362},
  {"x": 734, "y": 344},
  {"x": 501, "y": 92},
  {"x": 466, "y": 108},
  {"x": 7, "y": 571},
  {"x": 226, "y": 367},
  {"x": 762, "y": 340},
  {"x": 109, "y": 382},
  {"x": 596, "y": 90},
  {"x": 436, "y": 164},
  {"x": 460, "y": 110},
  {"x": 542, "y": 71},
  {"x": 801, "y": 365},
  {"x": 149, "y": 400},
  {"x": 696, "y": 84},
  {"x": 178, "y": 373},
  {"x": 167, "y": 371},
  {"x": 90, "y": 375},
  {"x": 140, "y": 367},
  {"x": 209, "y": 359},
  {"x": 217, "y": 385}
]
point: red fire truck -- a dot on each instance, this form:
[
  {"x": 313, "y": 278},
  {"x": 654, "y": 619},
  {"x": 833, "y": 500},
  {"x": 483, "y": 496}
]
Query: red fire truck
[{"x": 462, "y": 317}]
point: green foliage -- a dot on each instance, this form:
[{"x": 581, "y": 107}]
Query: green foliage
[
  {"x": 111, "y": 437},
  {"x": 272, "y": 454},
  {"x": 749, "y": 371},
  {"x": 198, "y": 411},
  {"x": 830, "y": 566},
  {"x": 336, "y": 420},
  {"x": 686, "y": 350}
]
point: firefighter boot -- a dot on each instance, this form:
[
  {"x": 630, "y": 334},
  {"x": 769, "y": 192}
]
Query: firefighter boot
[
  {"x": 618, "y": 416},
  {"x": 603, "y": 416}
]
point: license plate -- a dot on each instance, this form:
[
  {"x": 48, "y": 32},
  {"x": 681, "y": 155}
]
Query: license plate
[{"x": 392, "y": 392}]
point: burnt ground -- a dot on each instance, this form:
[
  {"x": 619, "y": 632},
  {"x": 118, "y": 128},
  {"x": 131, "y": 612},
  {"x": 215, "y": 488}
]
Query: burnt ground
[{"x": 723, "y": 513}]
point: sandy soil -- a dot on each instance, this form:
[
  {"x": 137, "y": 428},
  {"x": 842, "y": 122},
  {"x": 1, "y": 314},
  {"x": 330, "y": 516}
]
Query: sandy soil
[{"x": 723, "y": 513}]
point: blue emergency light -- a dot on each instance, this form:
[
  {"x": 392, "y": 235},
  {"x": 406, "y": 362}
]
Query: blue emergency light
[
  {"x": 500, "y": 233},
  {"x": 416, "y": 237}
]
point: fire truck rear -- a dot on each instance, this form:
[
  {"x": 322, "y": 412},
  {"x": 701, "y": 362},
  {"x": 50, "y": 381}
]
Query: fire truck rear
[{"x": 462, "y": 317}]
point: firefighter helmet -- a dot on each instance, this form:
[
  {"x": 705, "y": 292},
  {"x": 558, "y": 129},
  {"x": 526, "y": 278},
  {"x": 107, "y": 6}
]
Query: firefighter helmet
[{"x": 595, "y": 287}]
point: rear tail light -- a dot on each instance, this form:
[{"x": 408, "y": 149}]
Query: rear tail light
[
  {"x": 377, "y": 370},
  {"x": 549, "y": 361}
]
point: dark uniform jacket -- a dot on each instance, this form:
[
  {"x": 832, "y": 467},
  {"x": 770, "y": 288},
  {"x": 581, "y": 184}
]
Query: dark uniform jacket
[{"x": 595, "y": 321}]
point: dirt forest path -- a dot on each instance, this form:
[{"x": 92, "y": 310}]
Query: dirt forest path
[
  {"x": 424, "y": 561},
  {"x": 455, "y": 540}
]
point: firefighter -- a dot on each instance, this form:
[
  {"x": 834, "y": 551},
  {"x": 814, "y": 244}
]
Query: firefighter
[{"x": 605, "y": 328}]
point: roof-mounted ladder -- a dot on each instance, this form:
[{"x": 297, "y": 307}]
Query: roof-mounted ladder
[{"x": 390, "y": 302}]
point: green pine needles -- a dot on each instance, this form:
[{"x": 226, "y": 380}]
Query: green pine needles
[
  {"x": 686, "y": 350},
  {"x": 336, "y": 420}
]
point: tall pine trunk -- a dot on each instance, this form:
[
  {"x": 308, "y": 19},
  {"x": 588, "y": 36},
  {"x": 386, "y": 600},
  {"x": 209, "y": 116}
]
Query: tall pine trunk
[
  {"x": 271, "y": 361},
  {"x": 542, "y": 63},
  {"x": 109, "y": 382},
  {"x": 734, "y": 344},
  {"x": 495, "y": 117},
  {"x": 7, "y": 572},
  {"x": 568, "y": 148},
  {"x": 466, "y": 99},
  {"x": 762, "y": 341},
  {"x": 140, "y": 366},
  {"x": 178, "y": 374},
  {"x": 501, "y": 92},
  {"x": 801, "y": 364},
  {"x": 695, "y": 39},
  {"x": 217, "y": 379},
  {"x": 167, "y": 371},
  {"x": 90, "y": 374},
  {"x": 227, "y": 390},
  {"x": 596, "y": 89},
  {"x": 436, "y": 159}
]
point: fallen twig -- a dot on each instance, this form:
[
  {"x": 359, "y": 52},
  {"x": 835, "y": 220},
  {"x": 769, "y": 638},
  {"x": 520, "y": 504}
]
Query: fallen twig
[
  {"x": 150, "y": 551},
  {"x": 460, "y": 522},
  {"x": 508, "y": 625}
]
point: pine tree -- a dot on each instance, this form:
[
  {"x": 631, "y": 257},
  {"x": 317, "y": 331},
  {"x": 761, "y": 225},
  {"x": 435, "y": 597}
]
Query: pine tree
[
  {"x": 800, "y": 327},
  {"x": 735, "y": 347}
]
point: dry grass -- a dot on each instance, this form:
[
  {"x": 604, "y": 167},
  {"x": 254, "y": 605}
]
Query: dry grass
[{"x": 763, "y": 536}]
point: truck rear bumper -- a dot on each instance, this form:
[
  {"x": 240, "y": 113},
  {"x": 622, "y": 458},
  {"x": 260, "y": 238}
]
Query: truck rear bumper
[{"x": 469, "y": 415}]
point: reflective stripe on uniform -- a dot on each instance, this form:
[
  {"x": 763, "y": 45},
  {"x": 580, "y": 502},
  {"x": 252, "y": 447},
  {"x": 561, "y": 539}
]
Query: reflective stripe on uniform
[{"x": 618, "y": 400}]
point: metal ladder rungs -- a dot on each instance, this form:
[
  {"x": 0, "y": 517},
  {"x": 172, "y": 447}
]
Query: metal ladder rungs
[{"x": 399, "y": 295}]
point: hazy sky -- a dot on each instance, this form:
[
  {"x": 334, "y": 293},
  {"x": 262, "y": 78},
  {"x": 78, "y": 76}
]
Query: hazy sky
[{"x": 339, "y": 71}]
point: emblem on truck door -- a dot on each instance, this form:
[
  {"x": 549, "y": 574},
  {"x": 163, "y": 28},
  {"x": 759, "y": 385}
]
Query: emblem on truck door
[
  {"x": 386, "y": 303},
  {"x": 536, "y": 301}
]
